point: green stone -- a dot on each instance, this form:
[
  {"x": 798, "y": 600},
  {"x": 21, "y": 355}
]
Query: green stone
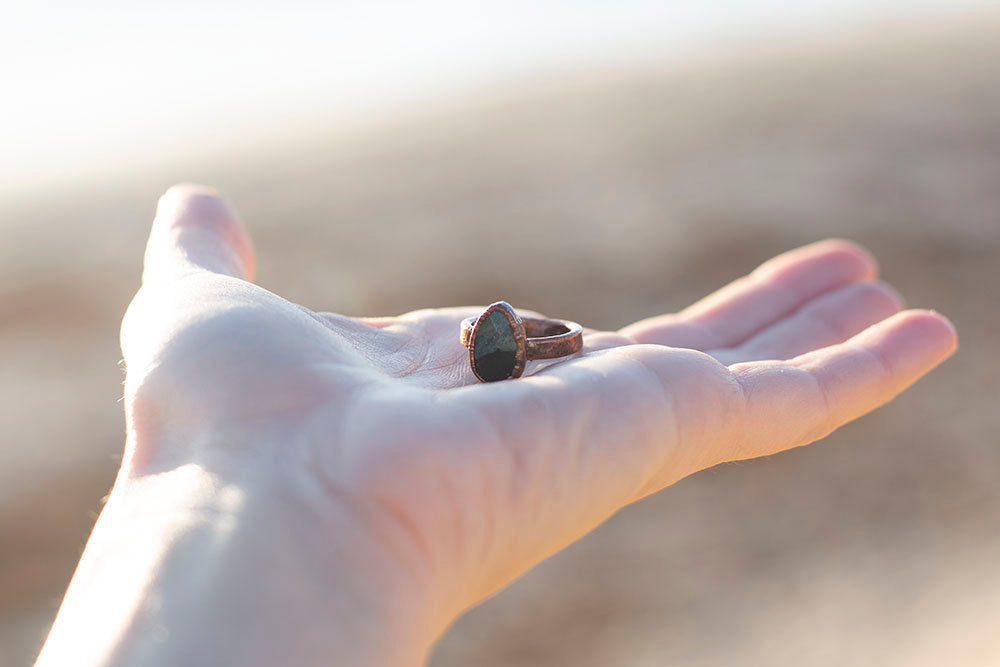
[{"x": 494, "y": 348}]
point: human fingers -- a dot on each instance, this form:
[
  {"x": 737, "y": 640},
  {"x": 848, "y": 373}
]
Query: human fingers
[
  {"x": 776, "y": 288},
  {"x": 826, "y": 320},
  {"x": 795, "y": 402},
  {"x": 595, "y": 433},
  {"x": 196, "y": 229}
]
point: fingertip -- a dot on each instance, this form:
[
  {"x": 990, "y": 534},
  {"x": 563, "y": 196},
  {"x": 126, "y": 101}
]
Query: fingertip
[
  {"x": 883, "y": 295},
  {"x": 178, "y": 190},
  {"x": 819, "y": 267},
  {"x": 932, "y": 328},
  {"x": 197, "y": 214},
  {"x": 910, "y": 343},
  {"x": 187, "y": 204},
  {"x": 852, "y": 253}
]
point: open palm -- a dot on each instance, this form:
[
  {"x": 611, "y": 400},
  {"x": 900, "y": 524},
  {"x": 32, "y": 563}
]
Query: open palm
[{"x": 451, "y": 487}]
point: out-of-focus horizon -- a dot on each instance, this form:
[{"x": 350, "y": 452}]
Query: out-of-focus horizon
[{"x": 114, "y": 84}]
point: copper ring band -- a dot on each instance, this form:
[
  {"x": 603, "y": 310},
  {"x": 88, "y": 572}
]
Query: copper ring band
[{"x": 528, "y": 338}]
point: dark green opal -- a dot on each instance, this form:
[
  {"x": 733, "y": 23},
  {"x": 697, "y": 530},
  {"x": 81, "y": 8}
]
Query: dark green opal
[{"x": 494, "y": 348}]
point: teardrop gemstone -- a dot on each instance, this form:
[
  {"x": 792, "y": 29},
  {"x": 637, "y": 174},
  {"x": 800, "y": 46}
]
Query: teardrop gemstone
[{"x": 494, "y": 348}]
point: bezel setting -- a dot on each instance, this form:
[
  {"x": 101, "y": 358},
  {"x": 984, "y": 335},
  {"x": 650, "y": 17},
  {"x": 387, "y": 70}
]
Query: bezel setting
[{"x": 520, "y": 338}]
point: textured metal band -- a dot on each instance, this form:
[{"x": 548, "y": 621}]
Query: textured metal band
[{"x": 546, "y": 339}]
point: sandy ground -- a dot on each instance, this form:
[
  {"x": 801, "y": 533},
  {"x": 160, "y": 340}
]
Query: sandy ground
[{"x": 626, "y": 195}]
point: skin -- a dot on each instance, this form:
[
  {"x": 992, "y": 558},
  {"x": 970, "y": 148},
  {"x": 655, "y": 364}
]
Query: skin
[{"x": 306, "y": 488}]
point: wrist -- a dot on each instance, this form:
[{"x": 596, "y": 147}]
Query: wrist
[{"x": 185, "y": 568}]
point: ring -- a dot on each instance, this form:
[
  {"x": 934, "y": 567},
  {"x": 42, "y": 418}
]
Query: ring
[{"x": 501, "y": 342}]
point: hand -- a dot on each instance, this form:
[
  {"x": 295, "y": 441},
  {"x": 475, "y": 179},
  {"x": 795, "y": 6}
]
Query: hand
[{"x": 299, "y": 485}]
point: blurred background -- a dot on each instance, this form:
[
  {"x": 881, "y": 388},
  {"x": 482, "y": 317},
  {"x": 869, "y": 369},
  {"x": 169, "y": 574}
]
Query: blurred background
[{"x": 630, "y": 156}]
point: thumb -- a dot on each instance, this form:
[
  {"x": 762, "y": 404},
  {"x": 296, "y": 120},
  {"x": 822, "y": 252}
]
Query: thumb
[{"x": 196, "y": 229}]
